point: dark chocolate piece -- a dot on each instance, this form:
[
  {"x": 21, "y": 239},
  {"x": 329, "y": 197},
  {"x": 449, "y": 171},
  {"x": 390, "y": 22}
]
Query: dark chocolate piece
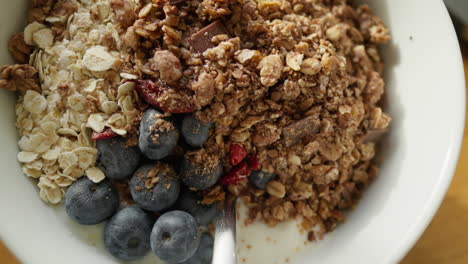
[
  {"x": 301, "y": 129},
  {"x": 201, "y": 40},
  {"x": 175, "y": 2},
  {"x": 374, "y": 135}
]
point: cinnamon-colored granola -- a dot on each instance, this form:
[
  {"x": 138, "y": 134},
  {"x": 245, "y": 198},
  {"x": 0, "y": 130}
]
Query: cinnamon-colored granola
[{"x": 296, "y": 83}]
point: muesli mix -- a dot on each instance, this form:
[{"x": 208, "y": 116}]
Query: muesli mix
[{"x": 275, "y": 102}]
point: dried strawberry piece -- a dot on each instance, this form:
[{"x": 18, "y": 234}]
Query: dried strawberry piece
[
  {"x": 236, "y": 174},
  {"x": 237, "y": 154},
  {"x": 253, "y": 162},
  {"x": 106, "y": 134},
  {"x": 164, "y": 98}
]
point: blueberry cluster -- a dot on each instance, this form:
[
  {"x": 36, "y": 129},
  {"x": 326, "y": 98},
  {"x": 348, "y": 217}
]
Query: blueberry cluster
[{"x": 152, "y": 177}]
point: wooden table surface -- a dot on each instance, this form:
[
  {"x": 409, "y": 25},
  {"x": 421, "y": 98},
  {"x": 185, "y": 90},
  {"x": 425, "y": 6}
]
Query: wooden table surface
[{"x": 446, "y": 239}]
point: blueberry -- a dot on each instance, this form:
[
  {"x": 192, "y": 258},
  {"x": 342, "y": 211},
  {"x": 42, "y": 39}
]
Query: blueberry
[
  {"x": 155, "y": 187},
  {"x": 175, "y": 237},
  {"x": 90, "y": 203},
  {"x": 200, "y": 171},
  {"x": 190, "y": 202},
  {"x": 260, "y": 178},
  {"x": 204, "y": 252},
  {"x": 194, "y": 131},
  {"x": 158, "y": 135},
  {"x": 127, "y": 234},
  {"x": 116, "y": 158}
]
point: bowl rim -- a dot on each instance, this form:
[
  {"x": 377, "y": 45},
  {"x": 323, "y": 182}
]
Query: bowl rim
[
  {"x": 451, "y": 161},
  {"x": 441, "y": 186}
]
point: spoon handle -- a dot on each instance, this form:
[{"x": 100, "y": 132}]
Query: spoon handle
[{"x": 225, "y": 235}]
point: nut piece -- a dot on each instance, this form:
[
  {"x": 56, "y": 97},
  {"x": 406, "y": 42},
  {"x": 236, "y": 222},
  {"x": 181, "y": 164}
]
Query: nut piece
[
  {"x": 168, "y": 65},
  {"x": 294, "y": 60},
  {"x": 311, "y": 66},
  {"x": 276, "y": 189},
  {"x": 20, "y": 78},
  {"x": 124, "y": 12},
  {"x": 204, "y": 89},
  {"x": 270, "y": 70},
  {"x": 379, "y": 34},
  {"x": 246, "y": 55},
  {"x": 18, "y": 48},
  {"x": 301, "y": 191},
  {"x": 336, "y": 32}
]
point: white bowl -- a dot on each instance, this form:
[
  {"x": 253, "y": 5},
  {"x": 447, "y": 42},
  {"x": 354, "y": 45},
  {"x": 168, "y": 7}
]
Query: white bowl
[{"x": 426, "y": 98}]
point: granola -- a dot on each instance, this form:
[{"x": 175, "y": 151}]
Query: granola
[{"x": 296, "y": 84}]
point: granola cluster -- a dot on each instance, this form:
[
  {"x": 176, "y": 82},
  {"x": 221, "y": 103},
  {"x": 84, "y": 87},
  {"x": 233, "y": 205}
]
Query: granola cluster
[{"x": 296, "y": 84}]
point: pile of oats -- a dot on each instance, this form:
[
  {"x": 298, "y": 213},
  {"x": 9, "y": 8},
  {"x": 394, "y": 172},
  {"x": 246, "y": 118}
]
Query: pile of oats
[
  {"x": 296, "y": 83},
  {"x": 71, "y": 87}
]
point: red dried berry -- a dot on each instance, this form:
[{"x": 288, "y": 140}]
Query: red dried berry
[
  {"x": 253, "y": 162},
  {"x": 236, "y": 174},
  {"x": 164, "y": 98},
  {"x": 106, "y": 134},
  {"x": 237, "y": 154}
]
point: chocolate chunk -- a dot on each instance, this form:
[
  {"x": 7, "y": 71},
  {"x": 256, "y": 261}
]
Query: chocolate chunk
[
  {"x": 175, "y": 2},
  {"x": 201, "y": 40},
  {"x": 301, "y": 129},
  {"x": 374, "y": 135}
]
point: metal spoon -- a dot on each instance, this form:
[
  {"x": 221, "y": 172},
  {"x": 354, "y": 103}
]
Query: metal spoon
[{"x": 225, "y": 235}]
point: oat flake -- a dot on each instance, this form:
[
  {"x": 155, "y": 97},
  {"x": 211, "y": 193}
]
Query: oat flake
[
  {"x": 98, "y": 59},
  {"x": 95, "y": 174}
]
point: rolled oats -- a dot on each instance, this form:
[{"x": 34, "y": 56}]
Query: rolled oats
[
  {"x": 276, "y": 189},
  {"x": 96, "y": 122},
  {"x": 27, "y": 157},
  {"x": 98, "y": 59},
  {"x": 43, "y": 38},
  {"x": 30, "y": 30},
  {"x": 95, "y": 174},
  {"x": 34, "y": 102},
  {"x": 68, "y": 90}
]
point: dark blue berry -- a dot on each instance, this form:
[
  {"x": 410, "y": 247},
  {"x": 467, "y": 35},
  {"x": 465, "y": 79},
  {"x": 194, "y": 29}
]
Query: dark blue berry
[
  {"x": 158, "y": 135},
  {"x": 260, "y": 178},
  {"x": 190, "y": 202},
  {"x": 127, "y": 234},
  {"x": 158, "y": 195},
  {"x": 175, "y": 237},
  {"x": 201, "y": 171},
  {"x": 90, "y": 203},
  {"x": 204, "y": 253},
  {"x": 194, "y": 131},
  {"x": 116, "y": 158}
]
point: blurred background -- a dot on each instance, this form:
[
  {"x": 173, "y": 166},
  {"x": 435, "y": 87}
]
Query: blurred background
[{"x": 445, "y": 241}]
